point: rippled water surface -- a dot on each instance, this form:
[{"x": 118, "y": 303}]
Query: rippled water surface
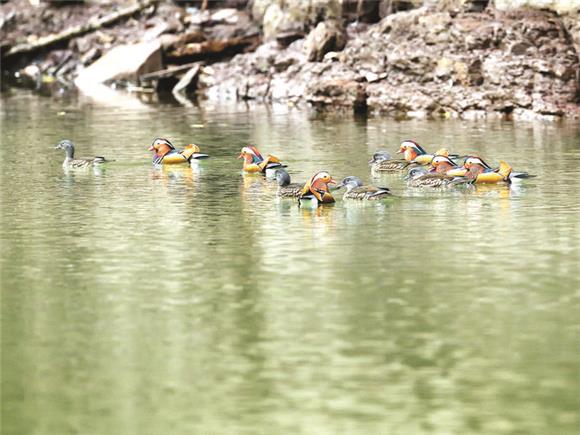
[{"x": 146, "y": 301}]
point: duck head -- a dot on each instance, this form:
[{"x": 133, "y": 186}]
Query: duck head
[
  {"x": 318, "y": 186},
  {"x": 415, "y": 173},
  {"x": 471, "y": 161},
  {"x": 410, "y": 150},
  {"x": 250, "y": 154},
  {"x": 161, "y": 147},
  {"x": 475, "y": 166},
  {"x": 380, "y": 156},
  {"x": 350, "y": 183},
  {"x": 66, "y": 145},
  {"x": 442, "y": 164},
  {"x": 282, "y": 177}
]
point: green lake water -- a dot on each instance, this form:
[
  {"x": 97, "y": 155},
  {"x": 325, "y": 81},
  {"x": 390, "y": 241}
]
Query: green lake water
[{"x": 193, "y": 301}]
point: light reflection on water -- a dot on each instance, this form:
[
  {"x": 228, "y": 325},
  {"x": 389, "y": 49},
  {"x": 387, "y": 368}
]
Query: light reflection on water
[{"x": 145, "y": 300}]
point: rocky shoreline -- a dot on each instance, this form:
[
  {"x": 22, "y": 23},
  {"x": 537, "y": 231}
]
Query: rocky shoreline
[{"x": 465, "y": 59}]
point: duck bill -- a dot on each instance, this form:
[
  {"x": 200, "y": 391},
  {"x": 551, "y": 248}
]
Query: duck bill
[
  {"x": 151, "y": 148},
  {"x": 332, "y": 181},
  {"x": 241, "y": 156}
]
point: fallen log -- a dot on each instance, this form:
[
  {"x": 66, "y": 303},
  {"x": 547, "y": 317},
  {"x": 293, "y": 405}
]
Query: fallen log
[
  {"x": 92, "y": 25},
  {"x": 210, "y": 48},
  {"x": 169, "y": 72}
]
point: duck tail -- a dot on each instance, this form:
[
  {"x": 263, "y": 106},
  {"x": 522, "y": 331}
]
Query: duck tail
[
  {"x": 504, "y": 170},
  {"x": 189, "y": 150},
  {"x": 458, "y": 181},
  {"x": 101, "y": 159},
  {"x": 521, "y": 175},
  {"x": 270, "y": 162}
]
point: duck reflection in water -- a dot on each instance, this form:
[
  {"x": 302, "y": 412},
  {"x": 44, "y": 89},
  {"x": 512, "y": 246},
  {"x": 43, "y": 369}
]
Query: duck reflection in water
[{"x": 175, "y": 175}]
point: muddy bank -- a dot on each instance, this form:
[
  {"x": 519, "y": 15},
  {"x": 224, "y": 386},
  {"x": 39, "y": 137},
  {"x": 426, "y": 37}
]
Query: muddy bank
[{"x": 465, "y": 59}]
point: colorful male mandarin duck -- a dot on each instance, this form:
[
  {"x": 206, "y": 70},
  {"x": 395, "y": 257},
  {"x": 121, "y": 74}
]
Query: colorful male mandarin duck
[
  {"x": 355, "y": 189},
  {"x": 316, "y": 189},
  {"x": 479, "y": 172},
  {"x": 286, "y": 189},
  {"x": 445, "y": 166},
  {"x": 71, "y": 163},
  {"x": 167, "y": 154},
  {"x": 382, "y": 162},
  {"x": 413, "y": 152},
  {"x": 254, "y": 162}
]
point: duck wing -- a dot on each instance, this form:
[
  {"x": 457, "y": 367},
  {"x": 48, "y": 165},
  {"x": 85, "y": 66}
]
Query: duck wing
[
  {"x": 79, "y": 163},
  {"x": 100, "y": 159},
  {"x": 368, "y": 192},
  {"x": 431, "y": 179},
  {"x": 292, "y": 190},
  {"x": 391, "y": 165}
]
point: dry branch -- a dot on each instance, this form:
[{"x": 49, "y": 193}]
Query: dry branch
[{"x": 93, "y": 24}]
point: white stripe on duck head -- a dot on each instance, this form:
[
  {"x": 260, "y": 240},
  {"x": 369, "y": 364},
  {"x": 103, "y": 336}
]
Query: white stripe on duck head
[
  {"x": 251, "y": 154},
  {"x": 411, "y": 149}
]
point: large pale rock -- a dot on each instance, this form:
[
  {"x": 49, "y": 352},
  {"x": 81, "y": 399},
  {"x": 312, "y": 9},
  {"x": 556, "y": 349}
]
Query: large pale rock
[
  {"x": 327, "y": 36},
  {"x": 124, "y": 62},
  {"x": 292, "y": 15},
  {"x": 558, "y": 6}
]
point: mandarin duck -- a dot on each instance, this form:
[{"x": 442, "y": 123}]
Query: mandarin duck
[
  {"x": 413, "y": 152},
  {"x": 382, "y": 162},
  {"x": 479, "y": 172},
  {"x": 479, "y": 166},
  {"x": 71, "y": 163},
  {"x": 445, "y": 166},
  {"x": 316, "y": 190},
  {"x": 420, "y": 177},
  {"x": 167, "y": 154},
  {"x": 355, "y": 189},
  {"x": 254, "y": 162},
  {"x": 286, "y": 189}
]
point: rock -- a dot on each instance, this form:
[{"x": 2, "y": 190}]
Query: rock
[
  {"x": 228, "y": 16},
  {"x": 366, "y": 11},
  {"x": 388, "y": 7},
  {"x": 293, "y": 15},
  {"x": 153, "y": 33},
  {"x": 188, "y": 82},
  {"x": 90, "y": 56},
  {"x": 124, "y": 62},
  {"x": 327, "y": 36},
  {"x": 276, "y": 20},
  {"x": 420, "y": 62},
  {"x": 284, "y": 39},
  {"x": 338, "y": 92},
  {"x": 519, "y": 48},
  {"x": 559, "y": 6}
]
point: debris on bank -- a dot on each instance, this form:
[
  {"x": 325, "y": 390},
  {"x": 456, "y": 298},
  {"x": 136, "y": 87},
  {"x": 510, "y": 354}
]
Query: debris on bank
[{"x": 410, "y": 58}]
